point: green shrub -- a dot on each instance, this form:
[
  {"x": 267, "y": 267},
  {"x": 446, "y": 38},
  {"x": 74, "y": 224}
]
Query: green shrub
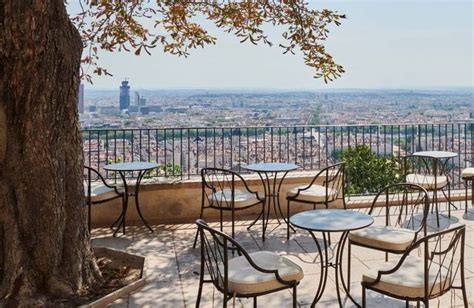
[{"x": 368, "y": 173}]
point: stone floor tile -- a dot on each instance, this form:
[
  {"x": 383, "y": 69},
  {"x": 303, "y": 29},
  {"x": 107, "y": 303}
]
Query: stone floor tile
[{"x": 158, "y": 294}]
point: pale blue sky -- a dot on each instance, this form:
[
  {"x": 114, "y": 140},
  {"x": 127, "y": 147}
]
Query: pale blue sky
[{"x": 381, "y": 44}]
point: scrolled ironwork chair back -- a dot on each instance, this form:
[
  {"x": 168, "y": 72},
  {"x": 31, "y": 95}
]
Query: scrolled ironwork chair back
[
  {"x": 215, "y": 180},
  {"x": 403, "y": 206},
  {"x": 444, "y": 260},
  {"x": 215, "y": 247},
  {"x": 333, "y": 179},
  {"x": 214, "y": 254},
  {"x": 92, "y": 175},
  {"x": 424, "y": 166},
  {"x": 443, "y": 256}
]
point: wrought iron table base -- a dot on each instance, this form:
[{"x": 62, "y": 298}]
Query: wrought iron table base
[
  {"x": 337, "y": 265},
  {"x": 123, "y": 215},
  {"x": 272, "y": 194}
]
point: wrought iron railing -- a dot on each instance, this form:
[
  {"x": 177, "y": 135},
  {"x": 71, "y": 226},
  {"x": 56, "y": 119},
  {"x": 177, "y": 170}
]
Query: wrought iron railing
[{"x": 183, "y": 152}]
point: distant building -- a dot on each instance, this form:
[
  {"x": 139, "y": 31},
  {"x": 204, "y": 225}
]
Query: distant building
[
  {"x": 124, "y": 95},
  {"x": 144, "y": 109},
  {"x": 142, "y": 101},
  {"x": 155, "y": 108},
  {"x": 92, "y": 108},
  {"x": 137, "y": 98},
  {"x": 80, "y": 98},
  {"x": 132, "y": 108},
  {"x": 108, "y": 110}
]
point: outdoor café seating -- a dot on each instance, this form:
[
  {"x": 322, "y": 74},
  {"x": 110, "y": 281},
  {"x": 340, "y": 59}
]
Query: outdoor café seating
[
  {"x": 468, "y": 176},
  {"x": 249, "y": 274},
  {"x": 226, "y": 191},
  {"x": 98, "y": 191},
  {"x": 330, "y": 190},
  {"x": 404, "y": 208},
  {"x": 420, "y": 277}
]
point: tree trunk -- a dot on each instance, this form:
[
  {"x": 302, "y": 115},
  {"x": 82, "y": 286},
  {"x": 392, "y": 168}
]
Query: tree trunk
[{"x": 45, "y": 251}]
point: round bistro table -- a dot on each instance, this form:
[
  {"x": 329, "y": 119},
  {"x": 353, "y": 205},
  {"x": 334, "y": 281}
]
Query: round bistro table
[
  {"x": 328, "y": 221},
  {"x": 443, "y": 157},
  {"x": 268, "y": 173},
  {"x": 122, "y": 169}
]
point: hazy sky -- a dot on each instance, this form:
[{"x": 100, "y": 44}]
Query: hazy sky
[{"x": 381, "y": 44}]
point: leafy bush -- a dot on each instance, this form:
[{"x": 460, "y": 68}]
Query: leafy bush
[{"x": 368, "y": 173}]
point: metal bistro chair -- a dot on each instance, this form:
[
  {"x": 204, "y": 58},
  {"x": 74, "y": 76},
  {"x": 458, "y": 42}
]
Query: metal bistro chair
[
  {"x": 425, "y": 277},
  {"x": 219, "y": 192},
  {"x": 249, "y": 274},
  {"x": 331, "y": 189},
  {"x": 431, "y": 174},
  {"x": 468, "y": 176},
  {"x": 97, "y": 191},
  {"x": 405, "y": 208}
]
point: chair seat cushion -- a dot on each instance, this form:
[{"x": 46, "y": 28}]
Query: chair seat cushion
[
  {"x": 408, "y": 280},
  {"x": 427, "y": 181},
  {"x": 384, "y": 237},
  {"x": 242, "y": 199},
  {"x": 245, "y": 279},
  {"x": 467, "y": 173},
  {"x": 100, "y": 192},
  {"x": 316, "y": 193}
]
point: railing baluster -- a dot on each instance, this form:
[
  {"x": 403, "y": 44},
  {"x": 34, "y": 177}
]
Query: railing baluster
[
  {"x": 165, "y": 151},
  {"x": 222, "y": 151}
]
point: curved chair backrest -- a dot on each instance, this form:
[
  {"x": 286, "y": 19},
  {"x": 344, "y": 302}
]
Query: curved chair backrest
[
  {"x": 215, "y": 246},
  {"x": 92, "y": 175},
  {"x": 423, "y": 165},
  {"x": 333, "y": 177},
  {"x": 443, "y": 256},
  {"x": 403, "y": 205},
  {"x": 221, "y": 180}
]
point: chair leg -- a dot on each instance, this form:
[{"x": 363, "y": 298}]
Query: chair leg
[
  {"x": 407, "y": 304},
  {"x": 233, "y": 229},
  {"x": 348, "y": 267},
  {"x": 295, "y": 303},
  {"x": 449, "y": 200},
  {"x": 201, "y": 282},
  {"x": 463, "y": 289},
  {"x": 288, "y": 219},
  {"x": 197, "y": 231},
  {"x": 125, "y": 206},
  {"x": 465, "y": 208},
  {"x": 435, "y": 206},
  {"x": 255, "y": 302},
  {"x": 233, "y": 225},
  {"x": 221, "y": 220},
  {"x": 364, "y": 300},
  {"x": 263, "y": 221}
]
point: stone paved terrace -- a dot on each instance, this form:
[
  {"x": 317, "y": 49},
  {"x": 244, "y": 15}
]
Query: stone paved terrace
[{"x": 171, "y": 263}]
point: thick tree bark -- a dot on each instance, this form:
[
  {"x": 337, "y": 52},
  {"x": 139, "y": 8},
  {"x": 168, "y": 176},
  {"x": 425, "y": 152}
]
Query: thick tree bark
[{"x": 45, "y": 248}]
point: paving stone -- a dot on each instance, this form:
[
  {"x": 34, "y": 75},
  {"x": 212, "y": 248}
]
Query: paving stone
[{"x": 158, "y": 294}]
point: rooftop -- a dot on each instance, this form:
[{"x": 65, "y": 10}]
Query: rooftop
[{"x": 172, "y": 265}]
